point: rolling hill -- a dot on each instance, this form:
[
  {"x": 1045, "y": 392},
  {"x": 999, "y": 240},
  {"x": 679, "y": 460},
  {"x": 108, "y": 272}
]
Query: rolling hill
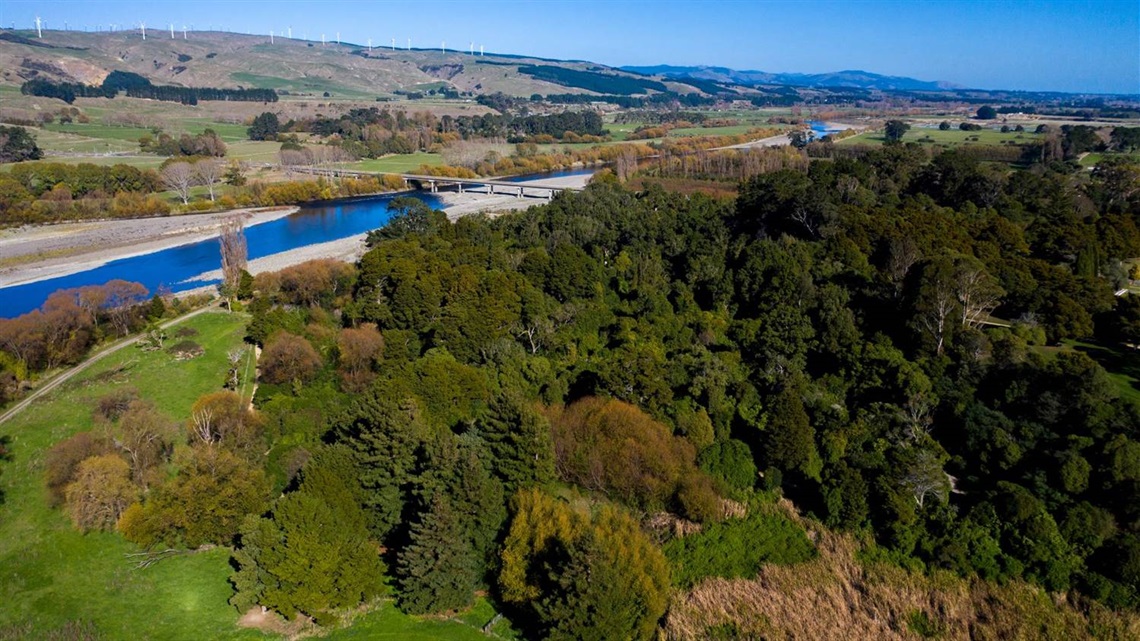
[{"x": 848, "y": 79}]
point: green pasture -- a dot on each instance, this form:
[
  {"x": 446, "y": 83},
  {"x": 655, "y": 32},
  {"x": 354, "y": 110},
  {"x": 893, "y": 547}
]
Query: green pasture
[
  {"x": 396, "y": 163},
  {"x": 53, "y": 573}
]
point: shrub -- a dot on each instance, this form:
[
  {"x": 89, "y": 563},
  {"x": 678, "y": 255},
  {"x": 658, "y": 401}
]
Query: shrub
[
  {"x": 737, "y": 548},
  {"x": 288, "y": 357}
]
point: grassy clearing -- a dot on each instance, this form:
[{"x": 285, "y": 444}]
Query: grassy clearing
[
  {"x": 398, "y": 163},
  {"x": 105, "y": 132},
  {"x": 386, "y": 622},
  {"x": 54, "y": 574}
]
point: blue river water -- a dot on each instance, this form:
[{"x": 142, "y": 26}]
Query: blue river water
[
  {"x": 170, "y": 268},
  {"x": 820, "y": 128}
]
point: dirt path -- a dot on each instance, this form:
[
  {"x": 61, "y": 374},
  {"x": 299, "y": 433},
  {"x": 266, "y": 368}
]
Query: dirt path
[{"x": 67, "y": 375}]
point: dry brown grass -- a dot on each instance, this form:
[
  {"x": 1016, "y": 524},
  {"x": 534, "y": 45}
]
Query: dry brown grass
[{"x": 838, "y": 597}]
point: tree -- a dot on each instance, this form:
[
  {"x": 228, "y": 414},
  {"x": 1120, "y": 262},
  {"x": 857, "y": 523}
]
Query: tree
[
  {"x": 288, "y": 357},
  {"x": 63, "y": 460},
  {"x": 146, "y": 436},
  {"x": 264, "y": 127},
  {"x": 311, "y": 555},
  {"x": 986, "y": 112},
  {"x": 944, "y": 126},
  {"x": 101, "y": 491},
  {"x": 235, "y": 175},
  {"x": 437, "y": 569},
  {"x": 235, "y": 253},
  {"x": 204, "y": 503},
  {"x": 519, "y": 437},
  {"x": 581, "y": 575},
  {"x": 208, "y": 172},
  {"x": 18, "y": 145},
  {"x": 359, "y": 348},
  {"x": 791, "y": 438},
  {"x": 799, "y": 138},
  {"x": 179, "y": 177},
  {"x": 895, "y": 130}
]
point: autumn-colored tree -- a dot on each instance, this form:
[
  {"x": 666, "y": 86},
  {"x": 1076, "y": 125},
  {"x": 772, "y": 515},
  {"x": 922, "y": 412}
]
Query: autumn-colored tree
[
  {"x": 226, "y": 419},
  {"x": 101, "y": 491},
  {"x": 288, "y": 357},
  {"x": 62, "y": 461},
  {"x": 145, "y": 437},
  {"x": 613, "y": 447},
  {"x": 359, "y": 348},
  {"x": 581, "y": 575}
]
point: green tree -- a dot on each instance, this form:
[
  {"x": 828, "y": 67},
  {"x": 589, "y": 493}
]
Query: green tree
[
  {"x": 437, "y": 569},
  {"x": 790, "y": 438},
  {"x": 18, "y": 145},
  {"x": 986, "y": 112},
  {"x": 312, "y": 555},
  {"x": 519, "y": 439},
  {"x": 264, "y": 127},
  {"x": 894, "y": 130}
]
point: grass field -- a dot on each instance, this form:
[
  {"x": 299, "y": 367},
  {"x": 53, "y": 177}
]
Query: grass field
[
  {"x": 54, "y": 575},
  {"x": 398, "y": 163}
]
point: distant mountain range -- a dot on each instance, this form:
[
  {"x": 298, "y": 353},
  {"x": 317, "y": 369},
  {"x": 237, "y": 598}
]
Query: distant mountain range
[{"x": 850, "y": 78}]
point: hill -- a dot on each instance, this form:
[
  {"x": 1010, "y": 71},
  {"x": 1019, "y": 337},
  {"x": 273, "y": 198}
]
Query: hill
[
  {"x": 215, "y": 59},
  {"x": 849, "y": 79}
]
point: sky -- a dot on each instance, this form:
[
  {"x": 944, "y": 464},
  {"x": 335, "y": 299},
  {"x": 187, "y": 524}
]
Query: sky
[{"x": 1055, "y": 45}]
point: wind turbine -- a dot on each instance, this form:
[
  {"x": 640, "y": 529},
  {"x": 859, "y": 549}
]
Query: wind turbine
[
  {"x": 172, "y": 31},
  {"x": 472, "y": 48},
  {"x": 409, "y": 44},
  {"x": 142, "y": 26},
  {"x": 39, "y": 30},
  {"x": 338, "y": 37},
  {"x": 183, "y": 32},
  {"x": 480, "y": 51},
  {"x": 322, "y": 39},
  {"x": 370, "y": 45},
  {"x": 393, "y": 44},
  {"x": 270, "y": 36},
  {"x": 290, "y": 33},
  {"x": 443, "y": 47}
]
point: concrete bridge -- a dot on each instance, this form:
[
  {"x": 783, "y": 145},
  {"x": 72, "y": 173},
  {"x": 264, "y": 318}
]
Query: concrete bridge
[{"x": 533, "y": 189}]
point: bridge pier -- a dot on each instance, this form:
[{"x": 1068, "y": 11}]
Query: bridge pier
[
  {"x": 520, "y": 193},
  {"x": 492, "y": 188},
  {"x": 460, "y": 187},
  {"x": 432, "y": 186}
]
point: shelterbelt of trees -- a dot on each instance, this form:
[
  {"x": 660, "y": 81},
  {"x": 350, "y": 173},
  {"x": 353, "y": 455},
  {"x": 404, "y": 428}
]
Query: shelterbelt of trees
[
  {"x": 137, "y": 86},
  {"x": 501, "y": 404}
]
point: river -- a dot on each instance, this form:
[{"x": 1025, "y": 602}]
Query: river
[{"x": 172, "y": 268}]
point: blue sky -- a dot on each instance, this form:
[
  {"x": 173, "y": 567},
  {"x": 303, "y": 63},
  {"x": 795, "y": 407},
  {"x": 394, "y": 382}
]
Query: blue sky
[{"x": 1062, "y": 45}]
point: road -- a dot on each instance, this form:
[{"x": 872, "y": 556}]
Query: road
[{"x": 67, "y": 375}]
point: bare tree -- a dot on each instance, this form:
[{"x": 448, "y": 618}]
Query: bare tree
[
  {"x": 977, "y": 292},
  {"x": 179, "y": 177},
  {"x": 209, "y": 173},
  {"x": 234, "y": 255},
  {"x": 925, "y": 477}
]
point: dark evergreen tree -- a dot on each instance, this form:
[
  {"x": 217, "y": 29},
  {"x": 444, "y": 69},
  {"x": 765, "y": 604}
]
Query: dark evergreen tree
[
  {"x": 519, "y": 438},
  {"x": 437, "y": 569}
]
